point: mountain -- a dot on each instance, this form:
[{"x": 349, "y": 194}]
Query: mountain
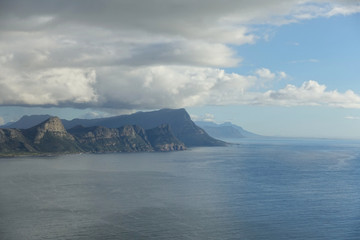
[
  {"x": 51, "y": 136},
  {"x": 101, "y": 139},
  {"x": 13, "y": 140},
  {"x": 27, "y": 121},
  {"x": 162, "y": 139},
  {"x": 225, "y": 130},
  {"x": 179, "y": 121}
]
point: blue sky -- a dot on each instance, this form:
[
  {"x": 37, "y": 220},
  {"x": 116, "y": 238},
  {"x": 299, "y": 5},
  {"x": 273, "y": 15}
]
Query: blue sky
[
  {"x": 276, "y": 67},
  {"x": 326, "y": 50}
]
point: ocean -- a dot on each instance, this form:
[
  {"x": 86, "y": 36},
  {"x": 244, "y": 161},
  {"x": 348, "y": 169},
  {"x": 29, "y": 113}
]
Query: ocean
[{"x": 256, "y": 189}]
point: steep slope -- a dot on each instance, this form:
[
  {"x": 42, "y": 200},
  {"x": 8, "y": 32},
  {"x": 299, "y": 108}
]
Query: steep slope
[
  {"x": 162, "y": 139},
  {"x": 178, "y": 119},
  {"x": 50, "y": 136},
  {"x": 101, "y": 139},
  {"x": 13, "y": 141},
  {"x": 27, "y": 121}
]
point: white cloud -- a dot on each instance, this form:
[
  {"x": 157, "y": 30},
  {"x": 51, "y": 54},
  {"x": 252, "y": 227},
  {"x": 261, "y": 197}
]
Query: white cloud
[
  {"x": 2, "y": 122},
  {"x": 311, "y": 60},
  {"x": 310, "y": 93},
  {"x": 133, "y": 54},
  {"x": 343, "y": 10},
  {"x": 207, "y": 117},
  {"x": 265, "y": 73},
  {"x": 169, "y": 86},
  {"x": 48, "y": 87},
  {"x": 264, "y": 77},
  {"x": 352, "y": 117}
]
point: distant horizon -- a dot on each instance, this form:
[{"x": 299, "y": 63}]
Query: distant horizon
[{"x": 201, "y": 120}]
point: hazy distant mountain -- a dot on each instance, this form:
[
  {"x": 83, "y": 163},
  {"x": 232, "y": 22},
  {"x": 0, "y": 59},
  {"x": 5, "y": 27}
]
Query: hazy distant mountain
[
  {"x": 178, "y": 119},
  {"x": 225, "y": 130},
  {"x": 27, "y": 121}
]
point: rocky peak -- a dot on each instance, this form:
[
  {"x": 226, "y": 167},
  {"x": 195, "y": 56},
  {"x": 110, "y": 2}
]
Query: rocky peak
[{"x": 54, "y": 126}]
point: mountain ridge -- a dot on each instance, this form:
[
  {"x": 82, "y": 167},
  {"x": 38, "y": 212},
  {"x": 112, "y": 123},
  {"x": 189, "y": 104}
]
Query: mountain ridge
[
  {"x": 51, "y": 137},
  {"x": 226, "y": 130},
  {"x": 179, "y": 121}
]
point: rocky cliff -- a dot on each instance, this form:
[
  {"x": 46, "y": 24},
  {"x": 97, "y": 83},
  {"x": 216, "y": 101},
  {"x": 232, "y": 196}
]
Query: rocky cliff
[
  {"x": 162, "y": 139},
  {"x": 101, "y": 139},
  {"x": 12, "y": 140},
  {"x": 179, "y": 121},
  {"x": 50, "y": 136}
]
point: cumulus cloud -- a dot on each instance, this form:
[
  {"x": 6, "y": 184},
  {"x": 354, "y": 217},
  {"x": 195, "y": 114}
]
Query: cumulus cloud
[
  {"x": 48, "y": 87},
  {"x": 309, "y": 93},
  {"x": 169, "y": 86},
  {"x": 133, "y": 54}
]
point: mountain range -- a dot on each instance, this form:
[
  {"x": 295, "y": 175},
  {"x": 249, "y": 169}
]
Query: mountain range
[
  {"x": 162, "y": 130},
  {"x": 226, "y": 130},
  {"x": 178, "y": 119}
]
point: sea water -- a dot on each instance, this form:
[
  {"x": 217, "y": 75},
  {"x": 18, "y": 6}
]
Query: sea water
[{"x": 256, "y": 189}]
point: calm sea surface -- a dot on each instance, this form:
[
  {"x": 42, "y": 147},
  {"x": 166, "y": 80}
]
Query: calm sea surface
[{"x": 268, "y": 189}]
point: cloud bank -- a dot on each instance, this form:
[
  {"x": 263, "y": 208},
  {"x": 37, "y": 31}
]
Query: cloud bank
[{"x": 133, "y": 54}]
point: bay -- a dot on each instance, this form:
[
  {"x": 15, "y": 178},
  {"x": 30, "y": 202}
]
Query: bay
[{"x": 256, "y": 189}]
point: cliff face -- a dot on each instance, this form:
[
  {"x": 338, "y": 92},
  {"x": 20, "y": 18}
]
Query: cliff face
[
  {"x": 54, "y": 127},
  {"x": 12, "y": 140},
  {"x": 163, "y": 139},
  {"x": 102, "y": 139},
  {"x": 129, "y": 138},
  {"x": 135, "y": 138},
  {"x": 51, "y": 136}
]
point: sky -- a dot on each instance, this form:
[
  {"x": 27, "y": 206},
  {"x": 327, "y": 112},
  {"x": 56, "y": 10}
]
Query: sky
[{"x": 274, "y": 67}]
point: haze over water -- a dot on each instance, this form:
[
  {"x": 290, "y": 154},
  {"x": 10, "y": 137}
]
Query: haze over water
[{"x": 259, "y": 189}]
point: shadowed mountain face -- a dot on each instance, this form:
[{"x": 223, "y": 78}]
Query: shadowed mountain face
[
  {"x": 162, "y": 139},
  {"x": 12, "y": 140},
  {"x": 27, "y": 121},
  {"x": 178, "y": 119}
]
